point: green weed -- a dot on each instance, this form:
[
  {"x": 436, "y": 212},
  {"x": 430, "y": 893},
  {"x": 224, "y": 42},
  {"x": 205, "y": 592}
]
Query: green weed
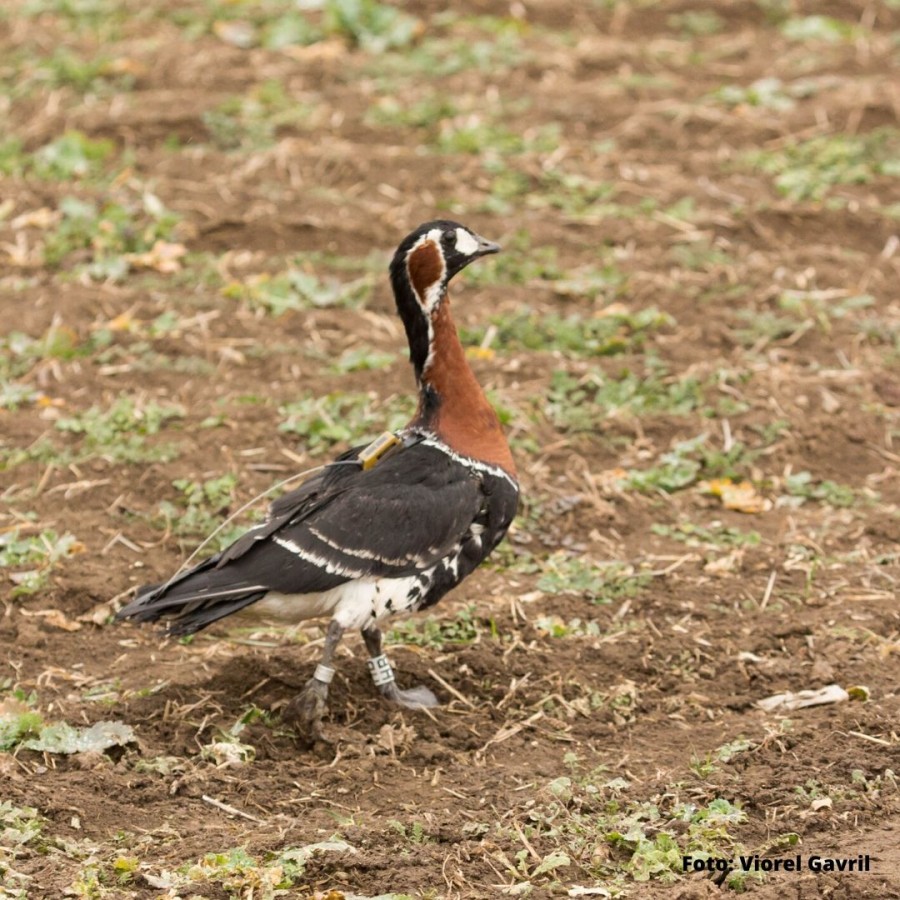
[
  {"x": 697, "y": 23},
  {"x": 268, "y": 875},
  {"x": 699, "y": 256},
  {"x": 607, "y": 281},
  {"x": 646, "y": 840},
  {"x": 577, "y": 196},
  {"x": 657, "y": 847},
  {"x": 470, "y": 134},
  {"x": 522, "y": 264},
  {"x": 805, "y": 487},
  {"x": 18, "y": 721},
  {"x": 235, "y": 869},
  {"x": 686, "y": 462},
  {"x": 295, "y": 289},
  {"x": 109, "y": 233},
  {"x": 20, "y": 353},
  {"x": 290, "y": 28},
  {"x": 328, "y": 419},
  {"x": 618, "y": 331},
  {"x": 201, "y": 508},
  {"x": 14, "y": 394},
  {"x": 600, "y": 581},
  {"x": 882, "y": 330},
  {"x": 426, "y": 112},
  {"x": 764, "y": 327},
  {"x": 71, "y": 156},
  {"x": 215, "y": 15},
  {"x": 118, "y": 432},
  {"x": 228, "y": 752},
  {"x": 771, "y": 432},
  {"x": 20, "y": 825},
  {"x": 101, "y": 18},
  {"x": 556, "y": 627},
  {"x": 808, "y": 170},
  {"x": 765, "y": 93},
  {"x": 823, "y": 306},
  {"x": 228, "y": 749},
  {"x": 254, "y": 120},
  {"x": 727, "y": 752},
  {"x": 581, "y": 404},
  {"x": 716, "y": 535},
  {"x": 573, "y": 193},
  {"x": 702, "y": 766},
  {"x": 370, "y": 25},
  {"x": 65, "y": 68},
  {"x": 33, "y": 557},
  {"x": 819, "y": 28},
  {"x": 463, "y": 629},
  {"x": 363, "y": 359},
  {"x": 442, "y": 57},
  {"x": 61, "y": 737},
  {"x": 13, "y": 156},
  {"x": 21, "y": 830},
  {"x": 705, "y": 766},
  {"x": 527, "y": 871},
  {"x": 677, "y": 469},
  {"x": 732, "y": 463},
  {"x": 414, "y": 833},
  {"x": 775, "y": 11},
  {"x": 23, "y": 727}
]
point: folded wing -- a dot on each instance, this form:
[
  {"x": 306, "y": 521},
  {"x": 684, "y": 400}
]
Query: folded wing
[{"x": 401, "y": 517}]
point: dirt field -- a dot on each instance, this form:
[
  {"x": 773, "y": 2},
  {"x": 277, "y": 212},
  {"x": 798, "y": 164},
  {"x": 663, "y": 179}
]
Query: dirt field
[{"x": 693, "y": 336}]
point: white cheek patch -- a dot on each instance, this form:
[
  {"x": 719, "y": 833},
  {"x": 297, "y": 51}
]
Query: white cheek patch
[{"x": 465, "y": 243}]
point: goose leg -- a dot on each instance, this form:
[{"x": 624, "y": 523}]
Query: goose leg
[
  {"x": 304, "y": 713},
  {"x": 383, "y": 676}
]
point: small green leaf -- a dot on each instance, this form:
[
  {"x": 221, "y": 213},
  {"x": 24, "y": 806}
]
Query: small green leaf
[
  {"x": 550, "y": 863},
  {"x": 64, "y": 738}
]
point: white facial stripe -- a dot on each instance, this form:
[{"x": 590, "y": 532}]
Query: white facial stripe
[{"x": 465, "y": 243}]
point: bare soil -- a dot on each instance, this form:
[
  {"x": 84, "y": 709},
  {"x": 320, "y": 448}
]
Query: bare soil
[{"x": 671, "y": 673}]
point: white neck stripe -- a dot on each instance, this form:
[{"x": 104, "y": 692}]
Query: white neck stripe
[{"x": 433, "y": 440}]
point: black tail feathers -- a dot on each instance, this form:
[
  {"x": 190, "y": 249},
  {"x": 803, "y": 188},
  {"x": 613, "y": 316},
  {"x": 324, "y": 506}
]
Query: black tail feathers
[{"x": 192, "y": 600}]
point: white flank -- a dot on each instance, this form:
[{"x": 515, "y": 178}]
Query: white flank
[
  {"x": 452, "y": 564},
  {"x": 356, "y": 604}
]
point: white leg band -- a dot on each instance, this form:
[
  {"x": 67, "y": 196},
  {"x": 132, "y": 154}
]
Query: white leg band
[
  {"x": 323, "y": 674},
  {"x": 381, "y": 670}
]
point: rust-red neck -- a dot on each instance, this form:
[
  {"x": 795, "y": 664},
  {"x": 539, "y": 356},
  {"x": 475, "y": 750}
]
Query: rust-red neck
[{"x": 451, "y": 402}]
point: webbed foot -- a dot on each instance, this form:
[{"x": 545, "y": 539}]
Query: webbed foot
[
  {"x": 418, "y": 697},
  {"x": 305, "y": 712},
  {"x": 383, "y": 677}
]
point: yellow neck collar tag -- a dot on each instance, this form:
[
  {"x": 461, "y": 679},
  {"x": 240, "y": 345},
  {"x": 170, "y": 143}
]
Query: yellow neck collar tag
[{"x": 371, "y": 455}]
